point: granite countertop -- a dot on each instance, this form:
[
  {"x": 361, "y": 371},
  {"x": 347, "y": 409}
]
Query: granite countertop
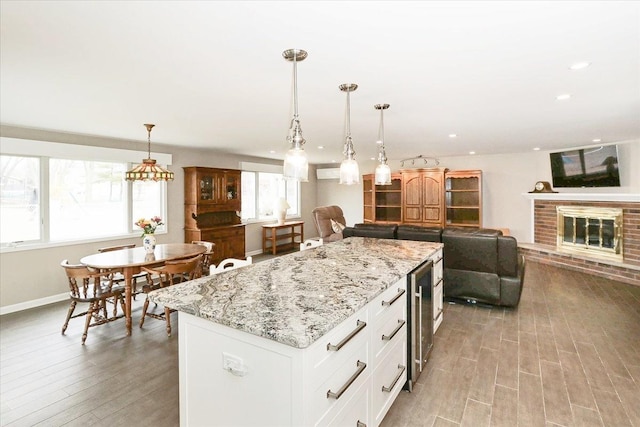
[{"x": 297, "y": 298}]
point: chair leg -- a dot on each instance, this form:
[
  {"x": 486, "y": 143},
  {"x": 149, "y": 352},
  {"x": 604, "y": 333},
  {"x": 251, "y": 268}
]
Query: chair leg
[
  {"x": 144, "y": 311},
  {"x": 92, "y": 306},
  {"x": 72, "y": 307},
  {"x": 167, "y": 315}
]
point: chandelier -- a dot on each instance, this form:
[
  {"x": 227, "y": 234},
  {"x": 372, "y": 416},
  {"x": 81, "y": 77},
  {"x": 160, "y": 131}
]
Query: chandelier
[
  {"x": 148, "y": 170},
  {"x": 349, "y": 171},
  {"x": 383, "y": 172},
  {"x": 296, "y": 165}
]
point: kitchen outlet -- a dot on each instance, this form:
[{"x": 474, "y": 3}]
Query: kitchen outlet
[{"x": 233, "y": 364}]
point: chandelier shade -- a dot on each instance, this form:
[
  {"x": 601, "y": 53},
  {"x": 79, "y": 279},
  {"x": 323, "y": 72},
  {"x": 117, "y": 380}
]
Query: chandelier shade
[
  {"x": 296, "y": 164},
  {"x": 349, "y": 170},
  {"x": 383, "y": 171},
  {"x": 148, "y": 170}
]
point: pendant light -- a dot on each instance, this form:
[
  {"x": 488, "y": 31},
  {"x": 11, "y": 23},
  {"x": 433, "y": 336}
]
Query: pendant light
[
  {"x": 349, "y": 171},
  {"x": 383, "y": 172},
  {"x": 296, "y": 165},
  {"x": 148, "y": 170}
]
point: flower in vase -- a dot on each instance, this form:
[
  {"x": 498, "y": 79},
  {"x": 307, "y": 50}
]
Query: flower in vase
[{"x": 149, "y": 225}]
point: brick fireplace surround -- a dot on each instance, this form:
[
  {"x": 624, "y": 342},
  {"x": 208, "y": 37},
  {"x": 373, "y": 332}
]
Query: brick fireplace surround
[{"x": 544, "y": 249}]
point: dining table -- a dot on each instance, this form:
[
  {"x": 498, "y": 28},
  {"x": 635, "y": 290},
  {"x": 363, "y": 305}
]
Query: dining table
[{"x": 130, "y": 262}]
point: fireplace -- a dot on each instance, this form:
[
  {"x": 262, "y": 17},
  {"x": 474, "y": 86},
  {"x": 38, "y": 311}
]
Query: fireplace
[{"x": 592, "y": 231}]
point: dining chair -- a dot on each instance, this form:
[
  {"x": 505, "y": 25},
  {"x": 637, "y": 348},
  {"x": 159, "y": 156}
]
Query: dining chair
[
  {"x": 117, "y": 275},
  {"x": 170, "y": 273},
  {"x": 207, "y": 256},
  {"x": 231, "y": 264},
  {"x": 94, "y": 287},
  {"x": 311, "y": 243}
]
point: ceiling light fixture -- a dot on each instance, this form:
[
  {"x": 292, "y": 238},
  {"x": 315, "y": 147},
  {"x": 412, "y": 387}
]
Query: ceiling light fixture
[
  {"x": 148, "y": 170},
  {"x": 383, "y": 172},
  {"x": 452, "y": 135},
  {"x": 563, "y": 97},
  {"x": 579, "y": 65},
  {"x": 296, "y": 164},
  {"x": 425, "y": 161},
  {"x": 349, "y": 171}
]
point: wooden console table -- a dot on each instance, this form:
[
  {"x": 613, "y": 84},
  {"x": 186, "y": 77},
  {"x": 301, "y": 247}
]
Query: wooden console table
[{"x": 293, "y": 238}]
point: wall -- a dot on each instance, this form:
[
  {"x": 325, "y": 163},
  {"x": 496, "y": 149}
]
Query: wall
[{"x": 29, "y": 277}]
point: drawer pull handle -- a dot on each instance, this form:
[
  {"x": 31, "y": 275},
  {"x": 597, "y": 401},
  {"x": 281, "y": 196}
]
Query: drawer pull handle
[
  {"x": 393, "y": 384},
  {"x": 360, "y": 326},
  {"x": 360, "y": 424},
  {"x": 438, "y": 283},
  {"x": 395, "y": 331},
  {"x": 435, "y": 319},
  {"x": 395, "y": 298},
  {"x": 332, "y": 395},
  {"x": 437, "y": 261}
]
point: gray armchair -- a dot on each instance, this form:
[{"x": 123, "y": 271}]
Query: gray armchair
[{"x": 323, "y": 216}]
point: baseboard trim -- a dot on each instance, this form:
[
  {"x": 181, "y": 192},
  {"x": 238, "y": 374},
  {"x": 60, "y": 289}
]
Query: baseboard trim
[{"x": 33, "y": 303}]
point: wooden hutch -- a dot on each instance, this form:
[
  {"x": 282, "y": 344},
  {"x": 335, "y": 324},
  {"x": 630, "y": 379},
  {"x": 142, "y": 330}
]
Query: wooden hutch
[{"x": 212, "y": 203}]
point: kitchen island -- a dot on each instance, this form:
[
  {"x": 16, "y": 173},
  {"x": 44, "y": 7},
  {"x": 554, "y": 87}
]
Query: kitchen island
[{"x": 309, "y": 338}]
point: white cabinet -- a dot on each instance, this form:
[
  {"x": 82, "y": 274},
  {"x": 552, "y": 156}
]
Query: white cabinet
[
  {"x": 351, "y": 375},
  {"x": 438, "y": 286}
]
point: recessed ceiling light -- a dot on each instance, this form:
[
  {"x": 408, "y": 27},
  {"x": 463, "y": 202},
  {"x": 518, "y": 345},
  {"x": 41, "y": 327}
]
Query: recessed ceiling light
[
  {"x": 596, "y": 140},
  {"x": 579, "y": 65},
  {"x": 372, "y": 158},
  {"x": 536, "y": 149},
  {"x": 452, "y": 135},
  {"x": 272, "y": 151},
  {"x": 472, "y": 152},
  {"x": 379, "y": 142},
  {"x": 320, "y": 147},
  {"x": 563, "y": 97},
  {"x": 333, "y": 161}
]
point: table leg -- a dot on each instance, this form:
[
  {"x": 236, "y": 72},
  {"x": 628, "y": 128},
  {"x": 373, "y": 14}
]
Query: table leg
[{"x": 127, "y": 272}]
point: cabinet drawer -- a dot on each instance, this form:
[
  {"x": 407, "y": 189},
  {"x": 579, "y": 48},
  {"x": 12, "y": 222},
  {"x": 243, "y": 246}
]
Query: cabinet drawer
[
  {"x": 342, "y": 383},
  {"x": 356, "y": 411},
  {"x": 388, "y": 332},
  {"x": 392, "y": 298},
  {"x": 437, "y": 265},
  {"x": 388, "y": 379},
  {"x": 350, "y": 335}
]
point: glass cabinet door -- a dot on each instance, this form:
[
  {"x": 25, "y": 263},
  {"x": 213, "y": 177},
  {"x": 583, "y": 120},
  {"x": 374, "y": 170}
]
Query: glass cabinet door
[{"x": 205, "y": 192}]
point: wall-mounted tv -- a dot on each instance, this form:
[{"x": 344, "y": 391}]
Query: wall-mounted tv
[{"x": 587, "y": 167}]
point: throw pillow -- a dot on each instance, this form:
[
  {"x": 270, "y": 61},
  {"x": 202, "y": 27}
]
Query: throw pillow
[{"x": 337, "y": 227}]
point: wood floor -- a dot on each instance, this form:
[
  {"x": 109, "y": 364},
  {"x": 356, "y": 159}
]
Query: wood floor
[{"x": 569, "y": 355}]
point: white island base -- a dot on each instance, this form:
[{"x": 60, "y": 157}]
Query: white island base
[{"x": 233, "y": 378}]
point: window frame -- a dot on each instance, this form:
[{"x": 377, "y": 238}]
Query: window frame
[{"x": 44, "y": 151}]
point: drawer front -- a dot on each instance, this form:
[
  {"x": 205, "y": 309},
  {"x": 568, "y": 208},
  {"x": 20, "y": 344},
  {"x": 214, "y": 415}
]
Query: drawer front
[
  {"x": 325, "y": 356},
  {"x": 390, "y": 299},
  {"x": 339, "y": 386},
  {"x": 437, "y": 265},
  {"x": 356, "y": 411},
  {"x": 388, "y": 379},
  {"x": 388, "y": 331}
]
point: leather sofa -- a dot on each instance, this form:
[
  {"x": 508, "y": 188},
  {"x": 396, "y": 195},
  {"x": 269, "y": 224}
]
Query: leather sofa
[{"x": 480, "y": 265}]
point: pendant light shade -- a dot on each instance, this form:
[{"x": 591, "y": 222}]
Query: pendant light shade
[
  {"x": 349, "y": 171},
  {"x": 148, "y": 170},
  {"x": 383, "y": 172},
  {"x": 296, "y": 165}
]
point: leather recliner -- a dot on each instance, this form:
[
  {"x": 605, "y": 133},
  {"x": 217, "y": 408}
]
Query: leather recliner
[{"x": 479, "y": 264}]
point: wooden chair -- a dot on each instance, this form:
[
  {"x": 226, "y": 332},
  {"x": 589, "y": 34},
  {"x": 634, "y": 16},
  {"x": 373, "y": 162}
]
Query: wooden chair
[
  {"x": 311, "y": 243},
  {"x": 93, "y": 287},
  {"x": 207, "y": 256},
  {"x": 170, "y": 273},
  {"x": 231, "y": 264},
  {"x": 117, "y": 274}
]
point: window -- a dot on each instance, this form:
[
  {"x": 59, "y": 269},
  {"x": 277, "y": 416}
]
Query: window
[
  {"x": 49, "y": 199},
  {"x": 261, "y": 190},
  {"x": 19, "y": 199}
]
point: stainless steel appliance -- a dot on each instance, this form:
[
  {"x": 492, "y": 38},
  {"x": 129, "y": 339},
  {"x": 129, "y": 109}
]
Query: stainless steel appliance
[{"x": 420, "y": 325}]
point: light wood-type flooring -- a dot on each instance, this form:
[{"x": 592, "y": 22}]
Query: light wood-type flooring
[{"x": 569, "y": 355}]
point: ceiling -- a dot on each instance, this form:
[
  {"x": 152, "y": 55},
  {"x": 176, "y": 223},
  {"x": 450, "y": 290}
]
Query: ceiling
[{"x": 211, "y": 74}]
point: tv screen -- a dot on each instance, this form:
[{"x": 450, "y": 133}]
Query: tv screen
[{"x": 587, "y": 167}]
